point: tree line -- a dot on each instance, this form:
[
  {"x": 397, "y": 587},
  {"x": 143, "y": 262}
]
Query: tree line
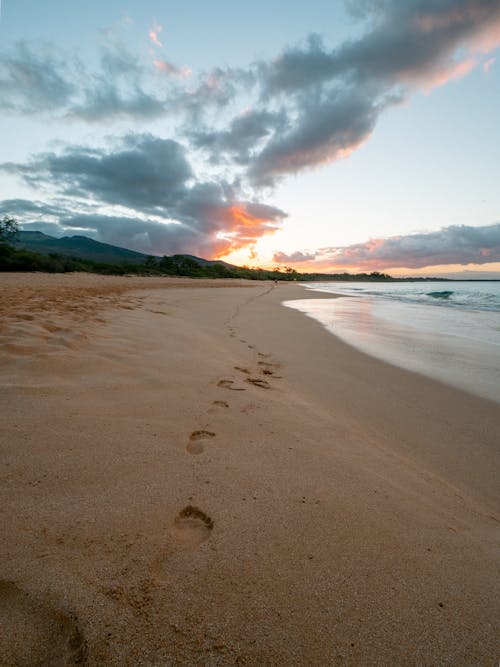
[{"x": 13, "y": 258}]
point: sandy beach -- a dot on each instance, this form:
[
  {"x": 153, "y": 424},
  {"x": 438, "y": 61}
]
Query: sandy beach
[{"x": 194, "y": 474}]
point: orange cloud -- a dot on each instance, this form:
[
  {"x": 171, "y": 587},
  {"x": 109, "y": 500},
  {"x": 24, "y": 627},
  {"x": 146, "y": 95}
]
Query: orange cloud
[
  {"x": 154, "y": 31},
  {"x": 241, "y": 228}
]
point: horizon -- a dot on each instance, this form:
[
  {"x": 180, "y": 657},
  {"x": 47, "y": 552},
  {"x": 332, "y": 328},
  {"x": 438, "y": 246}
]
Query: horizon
[
  {"x": 358, "y": 136},
  {"x": 282, "y": 268}
]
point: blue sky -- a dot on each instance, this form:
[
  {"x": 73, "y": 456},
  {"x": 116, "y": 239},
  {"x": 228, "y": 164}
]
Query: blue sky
[{"x": 335, "y": 136}]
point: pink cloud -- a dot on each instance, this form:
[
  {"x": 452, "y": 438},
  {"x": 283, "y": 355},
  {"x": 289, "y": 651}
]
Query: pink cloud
[
  {"x": 454, "y": 245},
  {"x": 154, "y": 31},
  {"x": 449, "y": 72},
  {"x": 171, "y": 69}
]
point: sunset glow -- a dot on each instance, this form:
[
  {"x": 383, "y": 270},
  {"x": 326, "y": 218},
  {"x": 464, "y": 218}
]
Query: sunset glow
[
  {"x": 242, "y": 230},
  {"x": 357, "y": 139}
]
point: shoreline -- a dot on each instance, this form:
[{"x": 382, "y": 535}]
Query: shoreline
[
  {"x": 205, "y": 476},
  {"x": 387, "y": 330}
]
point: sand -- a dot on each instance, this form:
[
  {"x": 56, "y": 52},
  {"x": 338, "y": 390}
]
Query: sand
[{"x": 193, "y": 474}]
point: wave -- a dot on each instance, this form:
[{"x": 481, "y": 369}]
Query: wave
[{"x": 445, "y": 294}]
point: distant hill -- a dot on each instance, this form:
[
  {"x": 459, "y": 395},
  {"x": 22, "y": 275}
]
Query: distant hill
[
  {"x": 85, "y": 248},
  {"x": 208, "y": 262},
  {"x": 78, "y": 246}
]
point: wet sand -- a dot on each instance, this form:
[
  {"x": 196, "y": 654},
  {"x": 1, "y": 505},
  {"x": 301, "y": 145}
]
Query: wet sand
[{"x": 193, "y": 474}]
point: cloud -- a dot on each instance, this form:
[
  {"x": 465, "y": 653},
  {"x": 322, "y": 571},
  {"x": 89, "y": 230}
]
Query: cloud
[
  {"x": 173, "y": 70},
  {"x": 334, "y": 97},
  {"x": 104, "y": 101},
  {"x": 141, "y": 171},
  {"x": 214, "y": 227},
  {"x": 405, "y": 43},
  {"x": 456, "y": 244},
  {"x": 325, "y": 130},
  {"x": 116, "y": 90},
  {"x": 43, "y": 82},
  {"x": 27, "y": 208},
  {"x": 163, "y": 207},
  {"x": 153, "y": 34},
  {"x": 310, "y": 106},
  {"x": 294, "y": 257},
  {"x": 34, "y": 81},
  {"x": 243, "y": 136},
  {"x": 488, "y": 64}
]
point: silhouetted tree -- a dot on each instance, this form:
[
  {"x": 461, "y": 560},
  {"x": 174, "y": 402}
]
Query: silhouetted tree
[{"x": 8, "y": 229}]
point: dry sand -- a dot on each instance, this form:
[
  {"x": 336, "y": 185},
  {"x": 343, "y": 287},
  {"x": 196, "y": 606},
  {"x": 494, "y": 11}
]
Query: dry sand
[{"x": 193, "y": 474}]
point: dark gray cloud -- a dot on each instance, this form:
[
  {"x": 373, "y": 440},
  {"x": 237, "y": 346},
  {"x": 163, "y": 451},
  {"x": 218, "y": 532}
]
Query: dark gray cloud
[
  {"x": 246, "y": 132},
  {"x": 456, "y": 244},
  {"x": 150, "y": 237},
  {"x": 19, "y": 208},
  {"x": 325, "y": 130},
  {"x": 141, "y": 171},
  {"x": 405, "y": 42},
  {"x": 310, "y": 106},
  {"x": 166, "y": 209},
  {"x": 334, "y": 97},
  {"x": 212, "y": 91},
  {"x": 207, "y": 224}
]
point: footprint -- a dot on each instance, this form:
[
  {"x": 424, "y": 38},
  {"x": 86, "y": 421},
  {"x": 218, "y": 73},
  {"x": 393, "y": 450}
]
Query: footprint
[
  {"x": 197, "y": 441},
  {"x": 221, "y": 404},
  {"x": 34, "y": 633},
  {"x": 258, "y": 382},
  {"x": 228, "y": 384},
  {"x": 269, "y": 368},
  {"x": 241, "y": 369},
  {"x": 192, "y": 527}
]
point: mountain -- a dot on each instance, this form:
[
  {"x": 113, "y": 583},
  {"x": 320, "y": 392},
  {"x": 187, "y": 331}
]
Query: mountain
[
  {"x": 78, "y": 246},
  {"x": 208, "y": 262},
  {"x": 85, "y": 248}
]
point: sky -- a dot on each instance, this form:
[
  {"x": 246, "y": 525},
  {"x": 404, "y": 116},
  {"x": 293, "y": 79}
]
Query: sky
[{"x": 325, "y": 135}]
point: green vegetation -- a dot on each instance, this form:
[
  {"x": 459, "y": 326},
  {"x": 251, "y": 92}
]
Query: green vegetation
[
  {"x": 8, "y": 229},
  {"x": 15, "y": 258}
]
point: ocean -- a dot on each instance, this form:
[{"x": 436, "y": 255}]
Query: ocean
[{"x": 449, "y": 331}]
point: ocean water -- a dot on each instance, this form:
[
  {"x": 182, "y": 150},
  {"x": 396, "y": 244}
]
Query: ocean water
[{"x": 449, "y": 331}]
